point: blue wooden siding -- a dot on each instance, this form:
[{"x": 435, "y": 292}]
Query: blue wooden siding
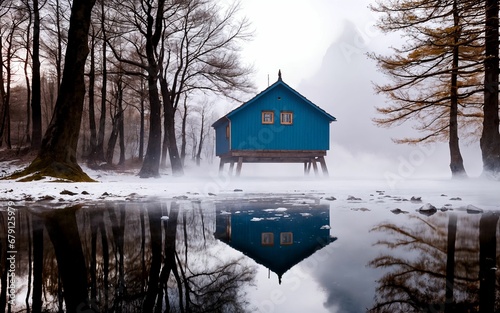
[
  {"x": 221, "y": 141},
  {"x": 309, "y": 131}
]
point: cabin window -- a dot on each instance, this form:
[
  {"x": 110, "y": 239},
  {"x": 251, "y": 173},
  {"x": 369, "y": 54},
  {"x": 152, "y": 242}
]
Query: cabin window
[
  {"x": 227, "y": 131},
  {"x": 267, "y": 117},
  {"x": 286, "y": 238},
  {"x": 267, "y": 239},
  {"x": 286, "y": 118}
]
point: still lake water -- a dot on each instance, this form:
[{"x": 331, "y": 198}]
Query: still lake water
[{"x": 291, "y": 253}]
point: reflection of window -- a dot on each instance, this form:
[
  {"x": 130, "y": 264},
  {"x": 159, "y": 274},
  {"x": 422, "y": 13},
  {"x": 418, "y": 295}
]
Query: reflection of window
[
  {"x": 286, "y": 118},
  {"x": 286, "y": 238},
  {"x": 267, "y": 117},
  {"x": 227, "y": 131},
  {"x": 267, "y": 239}
]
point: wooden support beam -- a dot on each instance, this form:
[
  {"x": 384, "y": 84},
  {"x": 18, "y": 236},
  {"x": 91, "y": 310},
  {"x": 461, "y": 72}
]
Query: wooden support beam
[
  {"x": 315, "y": 166},
  {"x": 310, "y": 159},
  {"x": 238, "y": 166},
  {"x": 221, "y": 165},
  {"x": 275, "y": 153},
  {"x": 323, "y": 166}
]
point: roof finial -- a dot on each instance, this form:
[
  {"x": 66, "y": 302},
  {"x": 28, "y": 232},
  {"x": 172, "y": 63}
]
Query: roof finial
[{"x": 279, "y": 74}]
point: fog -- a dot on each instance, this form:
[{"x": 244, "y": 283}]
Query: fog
[
  {"x": 324, "y": 57},
  {"x": 344, "y": 87}
]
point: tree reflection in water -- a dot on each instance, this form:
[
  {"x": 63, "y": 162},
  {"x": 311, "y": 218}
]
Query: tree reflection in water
[
  {"x": 150, "y": 257},
  {"x": 443, "y": 263}
]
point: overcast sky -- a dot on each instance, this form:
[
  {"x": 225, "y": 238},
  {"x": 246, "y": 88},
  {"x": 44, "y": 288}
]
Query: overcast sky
[
  {"x": 294, "y": 35},
  {"x": 320, "y": 46}
]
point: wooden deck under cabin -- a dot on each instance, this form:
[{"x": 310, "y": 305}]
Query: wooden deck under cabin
[{"x": 310, "y": 159}]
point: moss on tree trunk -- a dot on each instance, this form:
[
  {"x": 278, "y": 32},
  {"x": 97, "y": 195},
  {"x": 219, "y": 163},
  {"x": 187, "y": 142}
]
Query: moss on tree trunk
[{"x": 57, "y": 155}]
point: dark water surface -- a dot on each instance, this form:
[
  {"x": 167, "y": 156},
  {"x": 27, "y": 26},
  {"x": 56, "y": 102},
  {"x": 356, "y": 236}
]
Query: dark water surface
[{"x": 273, "y": 254}]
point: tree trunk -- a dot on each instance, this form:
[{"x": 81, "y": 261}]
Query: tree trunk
[
  {"x": 118, "y": 115},
  {"x": 121, "y": 131},
  {"x": 141, "y": 131},
  {"x": 26, "y": 76},
  {"x": 36, "y": 107},
  {"x": 57, "y": 155},
  {"x": 456, "y": 161},
  {"x": 102, "y": 119},
  {"x": 490, "y": 138},
  {"x": 151, "y": 165},
  {"x": 143, "y": 250},
  {"x": 487, "y": 261},
  {"x": 37, "y": 263},
  {"x": 93, "y": 129},
  {"x": 202, "y": 135},
  {"x": 118, "y": 229},
  {"x": 94, "y": 217},
  {"x": 62, "y": 228},
  {"x": 450, "y": 263},
  {"x": 105, "y": 258},
  {"x": 5, "y": 93},
  {"x": 175, "y": 160},
  {"x": 110, "y": 151},
  {"x": 154, "y": 215},
  {"x": 170, "y": 229},
  {"x": 164, "y": 146},
  {"x": 183, "y": 132},
  {"x": 59, "y": 45}
]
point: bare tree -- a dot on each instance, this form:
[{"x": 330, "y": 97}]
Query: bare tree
[
  {"x": 146, "y": 19},
  {"x": 57, "y": 155},
  {"x": 204, "y": 111},
  {"x": 11, "y": 19},
  {"x": 55, "y": 26},
  {"x": 201, "y": 54}
]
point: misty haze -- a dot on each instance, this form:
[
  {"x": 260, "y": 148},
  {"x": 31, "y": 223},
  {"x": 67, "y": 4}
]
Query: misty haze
[{"x": 249, "y": 156}]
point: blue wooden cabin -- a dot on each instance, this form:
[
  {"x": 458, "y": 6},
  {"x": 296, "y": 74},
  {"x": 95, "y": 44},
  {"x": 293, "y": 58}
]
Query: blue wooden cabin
[{"x": 279, "y": 125}]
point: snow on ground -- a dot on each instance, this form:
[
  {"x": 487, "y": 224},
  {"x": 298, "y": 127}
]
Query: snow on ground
[{"x": 206, "y": 184}]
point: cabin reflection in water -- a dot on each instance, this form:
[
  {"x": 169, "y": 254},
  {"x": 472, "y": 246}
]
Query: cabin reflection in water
[{"x": 277, "y": 236}]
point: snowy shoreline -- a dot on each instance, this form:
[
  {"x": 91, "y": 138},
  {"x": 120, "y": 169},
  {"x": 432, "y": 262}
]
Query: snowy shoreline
[{"x": 208, "y": 185}]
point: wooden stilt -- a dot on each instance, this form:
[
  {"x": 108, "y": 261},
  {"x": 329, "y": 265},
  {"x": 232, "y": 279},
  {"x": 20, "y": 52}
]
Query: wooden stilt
[
  {"x": 221, "y": 166},
  {"x": 231, "y": 167},
  {"x": 238, "y": 166},
  {"x": 315, "y": 166},
  {"x": 323, "y": 165},
  {"x": 309, "y": 159}
]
